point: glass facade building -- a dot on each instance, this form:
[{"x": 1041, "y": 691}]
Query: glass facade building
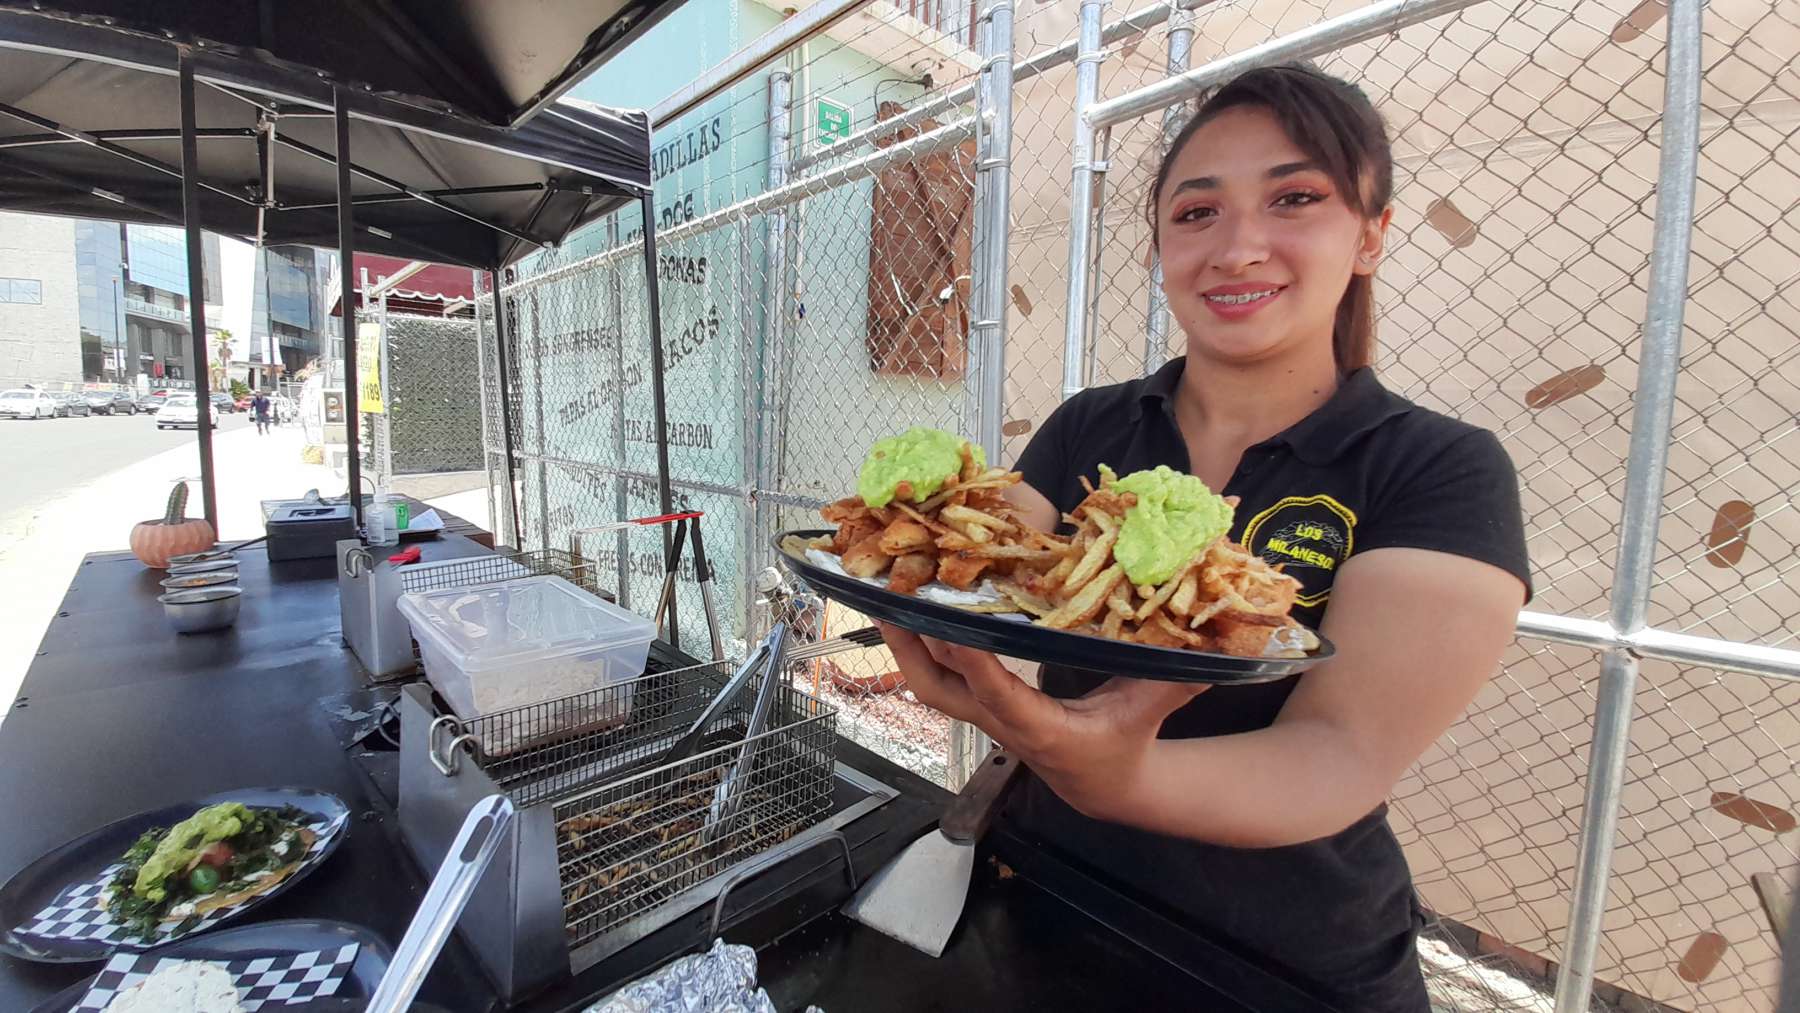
[
  {"x": 100, "y": 293},
  {"x": 288, "y": 317},
  {"x": 132, "y": 292}
]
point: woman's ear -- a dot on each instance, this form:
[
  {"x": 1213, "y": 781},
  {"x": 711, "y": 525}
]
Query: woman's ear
[{"x": 1374, "y": 241}]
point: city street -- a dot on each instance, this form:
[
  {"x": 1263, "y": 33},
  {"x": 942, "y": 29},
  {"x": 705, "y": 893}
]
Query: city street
[{"x": 48, "y": 457}]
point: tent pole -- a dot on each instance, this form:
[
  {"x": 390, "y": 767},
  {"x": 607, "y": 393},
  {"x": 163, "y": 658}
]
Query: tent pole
[
  {"x": 506, "y": 431},
  {"x": 347, "y": 299},
  {"x": 196, "y": 266},
  {"x": 665, "y": 495}
]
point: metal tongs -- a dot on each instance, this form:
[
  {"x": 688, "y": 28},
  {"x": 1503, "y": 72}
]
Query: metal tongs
[
  {"x": 766, "y": 655},
  {"x": 728, "y": 797},
  {"x": 477, "y": 842}
]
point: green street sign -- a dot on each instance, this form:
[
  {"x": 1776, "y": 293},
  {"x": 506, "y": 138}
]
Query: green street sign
[{"x": 833, "y": 122}]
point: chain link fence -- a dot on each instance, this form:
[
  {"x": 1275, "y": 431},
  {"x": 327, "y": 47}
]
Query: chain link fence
[{"x": 818, "y": 285}]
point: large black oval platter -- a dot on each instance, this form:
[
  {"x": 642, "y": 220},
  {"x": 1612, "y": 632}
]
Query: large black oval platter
[
  {"x": 1031, "y": 642},
  {"x": 43, "y": 882}
]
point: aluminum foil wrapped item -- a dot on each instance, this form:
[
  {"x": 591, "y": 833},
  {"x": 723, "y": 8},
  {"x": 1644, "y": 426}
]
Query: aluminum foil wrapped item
[{"x": 721, "y": 980}]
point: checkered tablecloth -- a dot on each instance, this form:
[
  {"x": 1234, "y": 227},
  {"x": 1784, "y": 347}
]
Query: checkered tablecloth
[
  {"x": 76, "y": 912},
  {"x": 264, "y": 981}
]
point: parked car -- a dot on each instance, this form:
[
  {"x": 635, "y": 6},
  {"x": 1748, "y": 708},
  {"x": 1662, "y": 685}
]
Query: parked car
[
  {"x": 224, "y": 403},
  {"x": 149, "y": 403},
  {"x": 242, "y": 404},
  {"x": 110, "y": 402},
  {"x": 182, "y": 409},
  {"x": 69, "y": 405},
  {"x": 23, "y": 403}
]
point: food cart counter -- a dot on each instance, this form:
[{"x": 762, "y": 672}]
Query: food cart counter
[{"x": 119, "y": 714}]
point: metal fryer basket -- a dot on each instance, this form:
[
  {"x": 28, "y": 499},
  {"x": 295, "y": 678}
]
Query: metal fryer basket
[
  {"x": 502, "y": 565},
  {"x": 632, "y": 833}
]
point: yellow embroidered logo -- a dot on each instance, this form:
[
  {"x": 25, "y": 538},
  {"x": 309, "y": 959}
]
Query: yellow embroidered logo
[{"x": 1312, "y": 535}]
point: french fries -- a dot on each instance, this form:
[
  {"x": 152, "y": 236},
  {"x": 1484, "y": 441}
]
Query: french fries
[{"x": 1223, "y": 599}]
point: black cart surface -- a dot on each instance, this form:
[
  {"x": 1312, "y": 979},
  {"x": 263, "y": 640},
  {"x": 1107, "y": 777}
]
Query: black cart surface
[{"x": 118, "y": 714}]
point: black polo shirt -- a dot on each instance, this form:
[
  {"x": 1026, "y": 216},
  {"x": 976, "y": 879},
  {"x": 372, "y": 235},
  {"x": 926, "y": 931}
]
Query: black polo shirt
[{"x": 1367, "y": 470}]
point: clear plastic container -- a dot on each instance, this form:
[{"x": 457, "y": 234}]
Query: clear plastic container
[{"x": 499, "y": 646}]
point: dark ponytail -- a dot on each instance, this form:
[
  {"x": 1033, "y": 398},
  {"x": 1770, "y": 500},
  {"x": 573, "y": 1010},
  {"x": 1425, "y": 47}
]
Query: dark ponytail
[{"x": 1336, "y": 125}]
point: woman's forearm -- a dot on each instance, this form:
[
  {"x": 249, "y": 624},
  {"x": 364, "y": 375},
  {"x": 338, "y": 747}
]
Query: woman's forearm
[{"x": 1294, "y": 781}]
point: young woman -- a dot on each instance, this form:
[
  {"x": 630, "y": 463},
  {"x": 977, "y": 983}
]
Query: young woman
[{"x": 1258, "y": 813}]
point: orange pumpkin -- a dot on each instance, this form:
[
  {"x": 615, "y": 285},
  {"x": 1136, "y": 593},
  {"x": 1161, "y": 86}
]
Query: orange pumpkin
[{"x": 154, "y": 541}]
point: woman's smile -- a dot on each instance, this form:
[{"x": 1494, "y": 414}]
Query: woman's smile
[{"x": 1235, "y": 302}]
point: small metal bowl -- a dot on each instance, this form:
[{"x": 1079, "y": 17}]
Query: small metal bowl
[
  {"x": 211, "y": 555},
  {"x": 203, "y": 609},
  {"x": 189, "y": 581},
  {"x": 213, "y": 566}
]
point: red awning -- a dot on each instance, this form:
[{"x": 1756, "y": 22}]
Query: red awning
[{"x": 426, "y": 292}]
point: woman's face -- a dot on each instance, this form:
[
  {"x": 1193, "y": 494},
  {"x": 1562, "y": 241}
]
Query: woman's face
[{"x": 1257, "y": 243}]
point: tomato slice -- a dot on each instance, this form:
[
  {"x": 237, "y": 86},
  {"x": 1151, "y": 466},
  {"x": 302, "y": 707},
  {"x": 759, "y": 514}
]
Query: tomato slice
[{"x": 216, "y": 854}]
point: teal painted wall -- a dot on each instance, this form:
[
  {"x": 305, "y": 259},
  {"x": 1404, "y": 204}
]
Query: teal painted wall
[{"x": 585, "y": 369}]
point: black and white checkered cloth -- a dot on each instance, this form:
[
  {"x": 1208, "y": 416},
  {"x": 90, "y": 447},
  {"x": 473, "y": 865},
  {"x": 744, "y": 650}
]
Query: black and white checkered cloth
[
  {"x": 76, "y": 912},
  {"x": 270, "y": 981}
]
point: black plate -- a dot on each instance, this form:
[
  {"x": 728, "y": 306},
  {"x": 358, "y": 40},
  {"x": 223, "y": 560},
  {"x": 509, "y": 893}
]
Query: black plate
[
  {"x": 38, "y": 884},
  {"x": 270, "y": 939},
  {"x": 1031, "y": 642}
]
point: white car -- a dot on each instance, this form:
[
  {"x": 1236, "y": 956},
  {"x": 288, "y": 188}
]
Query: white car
[
  {"x": 27, "y": 404},
  {"x": 179, "y": 410}
]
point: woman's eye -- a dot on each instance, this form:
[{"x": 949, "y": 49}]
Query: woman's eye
[
  {"x": 1298, "y": 198},
  {"x": 1193, "y": 214}
]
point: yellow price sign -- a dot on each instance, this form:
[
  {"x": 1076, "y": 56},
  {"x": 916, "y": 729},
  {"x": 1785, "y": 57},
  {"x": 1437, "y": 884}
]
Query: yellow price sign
[{"x": 368, "y": 368}]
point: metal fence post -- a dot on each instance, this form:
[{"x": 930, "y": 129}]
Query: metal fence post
[
  {"x": 384, "y": 368},
  {"x": 615, "y": 303},
  {"x": 1641, "y": 509},
  {"x": 1181, "y": 48},
  {"x": 1081, "y": 200},
  {"x": 988, "y": 296},
  {"x": 773, "y": 354},
  {"x": 481, "y": 385},
  {"x": 502, "y": 372}
]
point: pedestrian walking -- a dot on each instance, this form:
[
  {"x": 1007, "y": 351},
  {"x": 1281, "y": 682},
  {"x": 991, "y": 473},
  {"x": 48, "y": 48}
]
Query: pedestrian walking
[{"x": 260, "y": 405}]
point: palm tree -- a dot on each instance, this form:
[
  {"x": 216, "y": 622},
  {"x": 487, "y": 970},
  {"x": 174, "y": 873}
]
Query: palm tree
[{"x": 221, "y": 366}]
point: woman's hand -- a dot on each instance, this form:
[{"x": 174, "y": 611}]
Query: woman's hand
[{"x": 1084, "y": 749}]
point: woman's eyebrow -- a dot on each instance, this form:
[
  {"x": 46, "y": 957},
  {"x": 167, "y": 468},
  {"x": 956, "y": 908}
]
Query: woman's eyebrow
[
  {"x": 1197, "y": 183},
  {"x": 1290, "y": 168},
  {"x": 1275, "y": 172}
]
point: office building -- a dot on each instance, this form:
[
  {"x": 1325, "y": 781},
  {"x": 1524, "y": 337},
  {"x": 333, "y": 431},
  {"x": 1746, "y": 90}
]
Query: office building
[
  {"x": 38, "y": 326},
  {"x": 288, "y": 316}
]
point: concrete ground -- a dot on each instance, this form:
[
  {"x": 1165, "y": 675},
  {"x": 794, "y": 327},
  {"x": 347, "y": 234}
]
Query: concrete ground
[{"x": 75, "y": 486}]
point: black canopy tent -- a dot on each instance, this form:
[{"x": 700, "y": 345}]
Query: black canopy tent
[{"x": 428, "y": 130}]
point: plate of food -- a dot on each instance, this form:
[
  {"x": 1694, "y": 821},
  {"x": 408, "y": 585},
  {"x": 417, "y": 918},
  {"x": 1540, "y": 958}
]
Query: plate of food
[
  {"x": 274, "y": 966},
  {"x": 165, "y": 874},
  {"x": 1146, "y": 583}
]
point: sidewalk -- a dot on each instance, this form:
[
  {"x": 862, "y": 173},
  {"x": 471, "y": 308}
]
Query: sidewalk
[{"x": 39, "y": 561}]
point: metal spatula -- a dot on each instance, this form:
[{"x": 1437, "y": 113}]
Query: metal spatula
[{"x": 918, "y": 897}]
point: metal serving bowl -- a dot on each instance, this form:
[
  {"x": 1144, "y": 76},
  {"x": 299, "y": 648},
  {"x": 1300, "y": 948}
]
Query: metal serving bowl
[
  {"x": 189, "y": 581},
  {"x": 211, "y": 555},
  {"x": 202, "y": 609},
  {"x": 209, "y": 566}
]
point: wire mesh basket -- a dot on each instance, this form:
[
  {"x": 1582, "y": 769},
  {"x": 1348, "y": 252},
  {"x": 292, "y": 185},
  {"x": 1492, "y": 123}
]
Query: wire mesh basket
[
  {"x": 632, "y": 832},
  {"x": 503, "y": 565},
  {"x": 627, "y": 847}
]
